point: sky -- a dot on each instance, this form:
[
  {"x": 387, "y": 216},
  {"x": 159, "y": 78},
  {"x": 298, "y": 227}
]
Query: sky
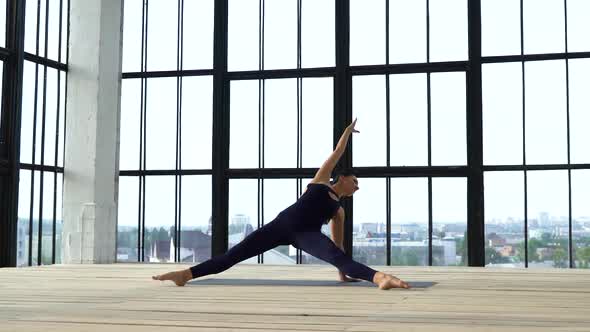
[{"x": 545, "y": 102}]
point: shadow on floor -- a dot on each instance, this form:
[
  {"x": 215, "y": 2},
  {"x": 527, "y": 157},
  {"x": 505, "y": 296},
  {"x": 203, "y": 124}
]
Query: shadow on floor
[{"x": 275, "y": 282}]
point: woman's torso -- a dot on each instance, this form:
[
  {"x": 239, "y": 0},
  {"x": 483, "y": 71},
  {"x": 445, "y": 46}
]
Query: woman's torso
[{"x": 315, "y": 206}]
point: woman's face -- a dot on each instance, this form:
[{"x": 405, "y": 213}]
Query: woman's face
[{"x": 350, "y": 185}]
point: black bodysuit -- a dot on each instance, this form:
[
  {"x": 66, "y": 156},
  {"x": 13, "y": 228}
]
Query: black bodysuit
[{"x": 298, "y": 225}]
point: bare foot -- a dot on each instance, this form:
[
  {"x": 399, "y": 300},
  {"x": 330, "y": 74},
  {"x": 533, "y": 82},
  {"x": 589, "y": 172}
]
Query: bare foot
[
  {"x": 180, "y": 278},
  {"x": 387, "y": 281}
]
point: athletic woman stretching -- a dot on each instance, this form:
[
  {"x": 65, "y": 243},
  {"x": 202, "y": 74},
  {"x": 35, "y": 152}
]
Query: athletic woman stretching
[{"x": 300, "y": 225}]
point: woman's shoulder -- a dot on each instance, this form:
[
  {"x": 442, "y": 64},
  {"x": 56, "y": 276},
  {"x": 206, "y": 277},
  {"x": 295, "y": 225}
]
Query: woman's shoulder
[{"x": 320, "y": 183}]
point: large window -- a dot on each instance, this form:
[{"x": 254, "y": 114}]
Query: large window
[
  {"x": 412, "y": 109},
  {"x": 280, "y": 34},
  {"x": 223, "y": 131},
  {"x": 166, "y": 137},
  {"x": 280, "y": 123},
  {"x": 253, "y": 203},
  {"x": 42, "y": 133},
  {"x": 283, "y": 122},
  {"x": 407, "y": 31},
  {"x": 535, "y": 112},
  {"x": 427, "y": 227}
]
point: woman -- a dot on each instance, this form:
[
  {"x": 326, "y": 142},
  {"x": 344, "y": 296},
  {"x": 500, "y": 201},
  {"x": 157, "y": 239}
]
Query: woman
[{"x": 300, "y": 225}]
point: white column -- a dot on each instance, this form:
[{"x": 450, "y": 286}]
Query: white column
[{"x": 92, "y": 132}]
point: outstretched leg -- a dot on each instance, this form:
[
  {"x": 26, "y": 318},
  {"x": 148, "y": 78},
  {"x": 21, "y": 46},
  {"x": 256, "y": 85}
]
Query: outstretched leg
[
  {"x": 257, "y": 242},
  {"x": 319, "y": 245}
]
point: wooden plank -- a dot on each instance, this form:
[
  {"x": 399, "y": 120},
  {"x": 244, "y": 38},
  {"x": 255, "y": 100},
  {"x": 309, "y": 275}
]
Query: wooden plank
[{"x": 122, "y": 297}]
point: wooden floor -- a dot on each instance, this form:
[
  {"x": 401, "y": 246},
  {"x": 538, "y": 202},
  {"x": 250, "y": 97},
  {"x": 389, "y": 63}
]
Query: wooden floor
[{"x": 122, "y": 297}]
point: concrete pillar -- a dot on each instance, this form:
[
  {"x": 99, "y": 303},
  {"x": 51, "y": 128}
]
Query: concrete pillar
[{"x": 92, "y": 132}]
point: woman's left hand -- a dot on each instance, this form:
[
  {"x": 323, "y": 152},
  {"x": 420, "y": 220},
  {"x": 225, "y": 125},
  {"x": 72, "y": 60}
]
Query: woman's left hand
[{"x": 351, "y": 128}]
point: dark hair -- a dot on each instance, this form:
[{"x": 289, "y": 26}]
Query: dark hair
[{"x": 341, "y": 172}]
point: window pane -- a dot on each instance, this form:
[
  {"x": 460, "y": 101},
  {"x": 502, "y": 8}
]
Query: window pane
[
  {"x": 197, "y": 34},
  {"x": 448, "y": 30},
  {"x": 130, "y": 124},
  {"x": 408, "y": 120},
  {"x": 59, "y": 217},
  {"x": 42, "y": 32},
  {"x": 132, "y": 35},
  {"x": 162, "y": 35},
  {"x": 64, "y": 30},
  {"x": 47, "y": 217},
  {"x": 368, "y": 236},
  {"x": 39, "y": 116},
  {"x": 278, "y": 194},
  {"x": 578, "y": 25},
  {"x": 24, "y": 205},
  {"x": 504, "y": 218},
  {"x": 62, "y": 76},
  {"x": 280, "y": 123},
  {"x": 53, "y": 30},
  {"x": 548, "y": 218},
  {"x": 280, "y": 34},
  {"x": 368, "y": 105},
  {"x": 161, "y": 123},
  {"x": 579, "y": 81},
  {"x": 244, "y": 124},
  {"x": 159, "y": 218},
  {"x": 318, "y": 120},
  {"x": 545, "y": 112},
  {"x": 500, "y": 27},
  {"x": 27, "y": 112},
  {"x": 35, "y": 27},
  {"x": 581, "y": 218},
  {"x": 502, "y": 113},
  {"x": 367, "y": 32},
  {"x": 317, "y": 33},
  {"x": 127, "y": 219},
  {"x": 50, "y": 117},
  {"x": 197, "y": 122},
  {"x": 195, "y": 222},
  {"x": 2, "y": 23},
  {"x": 544, "y": 30},
  {"x": 242, "y": 211},
  {"x": 1, "y": 89},
  {"x": 449, "y": 221},
  {"x": 449, "y": 133},
  {"x": 243, "y": 35},
  {"x": 407, "y": 31},
  {"x": 409, "y": 221},
  {"x": 35, "y": 217},
  {"x": 31, "y": 26}
]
